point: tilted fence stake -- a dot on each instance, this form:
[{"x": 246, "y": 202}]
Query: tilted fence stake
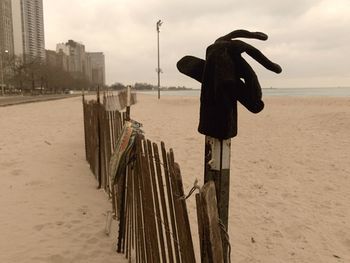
[
  {"x": 217, "y": 169},
  {"x": 99, "y": 171},
  {"x": 163, "y": 203},
  {"x": 208, "y": 223},
  {"x": 170, "y": 202}
]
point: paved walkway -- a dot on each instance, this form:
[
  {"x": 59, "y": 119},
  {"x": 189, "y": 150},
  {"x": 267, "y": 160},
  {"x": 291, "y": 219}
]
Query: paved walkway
[{"x": 13, "y": 100}]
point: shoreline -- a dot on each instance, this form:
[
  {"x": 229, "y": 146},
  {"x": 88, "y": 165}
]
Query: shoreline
[{"x": 267, "y": 92}]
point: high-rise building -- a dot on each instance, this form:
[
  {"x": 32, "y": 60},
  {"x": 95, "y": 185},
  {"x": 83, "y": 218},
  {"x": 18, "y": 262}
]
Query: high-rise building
[
  {"x": 90, "y": 65},
  {"x": 28, "y": 28},
  {"x": 6, "y": 29},
  {"x": 76, "y": 53},
  {"x": 97, "y": 67},
  {"x": 79, "y": 62},
  {"x": 57, "y": 59}
]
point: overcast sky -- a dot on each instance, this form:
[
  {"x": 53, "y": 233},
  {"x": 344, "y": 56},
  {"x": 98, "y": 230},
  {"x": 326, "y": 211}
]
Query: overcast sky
[{"x": 310, "y": 39}]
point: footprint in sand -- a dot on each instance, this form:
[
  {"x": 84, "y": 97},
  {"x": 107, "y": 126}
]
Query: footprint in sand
[
  {"x": 67, "y": 214},
  {"x": 297, "y": 233},
  {"x": 16, "y": 172},
  {"x": 59, "y": 223},
  {"x": 39, "y": 227},
  {"x": 83, "y": 210},
  {"x": 95, "y": 253},
  {"x": 56, "y": 259},
  {"x": 93, "y": 240},
  {"x": 344, "y": 239},
  {"x": 84, "y": 235},
  {"x": 35, "y": 183},
  {"x": 7, "y": 164},
  {"x": 75, "y": 221},
  {"x": 347, "y": 243},
  {"x": 69, "y": 226}
]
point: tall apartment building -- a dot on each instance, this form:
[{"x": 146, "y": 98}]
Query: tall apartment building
[
  {"x": 6, "y": 29},
  {"x": 97, "y": 67},
  {"x": 57, "y": 59},
  {"x": 79, "y": 62},
  {"x": 91, "y": 65},
  {"x": 28, "y": 28}
]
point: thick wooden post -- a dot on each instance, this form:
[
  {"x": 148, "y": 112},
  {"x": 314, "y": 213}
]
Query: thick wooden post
[
  {"x": 217, "y": 169},
  {"x": 208, "y": 225}
]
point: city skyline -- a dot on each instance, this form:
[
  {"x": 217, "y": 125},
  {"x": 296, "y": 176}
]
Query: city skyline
[
  {"x": 22, "y": 40},
  {"x": 307, "y": 38}
]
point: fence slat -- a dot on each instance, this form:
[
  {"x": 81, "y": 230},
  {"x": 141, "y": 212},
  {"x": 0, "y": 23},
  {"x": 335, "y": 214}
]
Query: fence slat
[
  {"x": 184, "y": 230},
  {"x": 149, "y": 204},
  {"x": 170, "y": 202},
  {"x": 163, "y": 203},
  {"x": 156, "y": 202}
]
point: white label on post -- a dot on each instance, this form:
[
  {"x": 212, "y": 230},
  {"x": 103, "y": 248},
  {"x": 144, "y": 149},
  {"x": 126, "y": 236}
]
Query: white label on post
[
  {"x": 226, "y": 153},
  {"x": 215, "y": 145}
]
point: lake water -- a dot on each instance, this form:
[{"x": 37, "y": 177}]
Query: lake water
[{"x": 329, "y": 92}]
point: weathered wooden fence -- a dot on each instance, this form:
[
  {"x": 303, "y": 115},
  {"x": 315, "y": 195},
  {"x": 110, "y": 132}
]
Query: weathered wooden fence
[
  {"x": 153, "y": 219},
  {"x": 149, "y": 200},
  {"x": 154, "y": 224},
  {"x": 102, "y": 126}
]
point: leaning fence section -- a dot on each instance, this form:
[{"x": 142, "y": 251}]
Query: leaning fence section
[
  {"x": 154, "y": 224},
  {"x": 148, "y": 197},
  {"x": 102, "y": 126},
  {"x": 146, "y": 190}
]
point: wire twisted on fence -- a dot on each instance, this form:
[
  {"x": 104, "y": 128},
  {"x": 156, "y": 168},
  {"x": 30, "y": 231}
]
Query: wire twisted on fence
[
  {"x": 193, "y": 189},
  {"x": 227, "y": 239}
]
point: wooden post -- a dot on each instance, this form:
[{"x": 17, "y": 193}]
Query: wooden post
[
  {"x": 99, "y": 171},
  {"x": 83, "y": 94},
  {"x": 217, "y": 169},
  {"x": 128, "y": 102},
  {"x": 208, "y": 223}
]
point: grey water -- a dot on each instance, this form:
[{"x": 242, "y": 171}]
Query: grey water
[{"x": 300, "y": 92}]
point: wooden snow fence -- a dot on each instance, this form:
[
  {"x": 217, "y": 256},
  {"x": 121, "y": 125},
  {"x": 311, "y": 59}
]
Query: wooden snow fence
[
  {"x": 154, "y": 224},
  {"x": 102, "y": 126},
  {"x": 153, "y": 218}
]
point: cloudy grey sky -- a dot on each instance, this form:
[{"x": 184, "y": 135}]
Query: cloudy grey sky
[{"x": 310, "y": 39}]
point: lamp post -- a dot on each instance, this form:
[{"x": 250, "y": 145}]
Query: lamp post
[
  {"x": 2, "y": 73},
  {"x": 159, "y": 23}
]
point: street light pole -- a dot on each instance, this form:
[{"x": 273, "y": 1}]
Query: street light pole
[
  {"x": 2, "y": 72},
  {"x": 159, "y": 23}
]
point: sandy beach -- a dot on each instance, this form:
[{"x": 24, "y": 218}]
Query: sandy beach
[
  {"x": 50, "y": 208},
  {"x": 290, "y": 179}
]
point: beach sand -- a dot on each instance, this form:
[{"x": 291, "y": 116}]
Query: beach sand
[
  {"x": 290, "y": 180},
  {"x": 51, "y": 210}
]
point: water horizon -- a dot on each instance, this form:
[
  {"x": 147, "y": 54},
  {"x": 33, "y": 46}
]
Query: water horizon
[{"x": 299, "y": 92}]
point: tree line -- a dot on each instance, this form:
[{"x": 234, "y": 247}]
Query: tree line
[
  {"x": 25, "y": 75},
  {"x": 35, "y": 76},
  {"x": 144, "y": 86}
]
